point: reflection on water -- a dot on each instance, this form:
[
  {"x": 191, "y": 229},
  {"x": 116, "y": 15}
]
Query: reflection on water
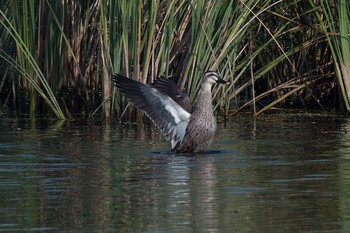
[{"x": 269, "y": 174}]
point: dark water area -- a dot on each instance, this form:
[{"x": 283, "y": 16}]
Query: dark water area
[{"x": 275, "y": 173}]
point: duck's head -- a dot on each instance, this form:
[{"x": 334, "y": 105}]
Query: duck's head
[{"x": 211, "y": 77}]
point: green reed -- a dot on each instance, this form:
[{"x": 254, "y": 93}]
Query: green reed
[
  {"x": 334, "y": 21},
  {"x": 61, "y": 54},
  {"x": 26, "y": 65}
]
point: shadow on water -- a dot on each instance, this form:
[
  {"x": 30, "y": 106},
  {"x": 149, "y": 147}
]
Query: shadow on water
[{"x": 270, "y": 174}]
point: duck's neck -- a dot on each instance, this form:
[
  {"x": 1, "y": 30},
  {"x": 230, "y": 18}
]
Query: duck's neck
[{"x": 204, "y": 100}]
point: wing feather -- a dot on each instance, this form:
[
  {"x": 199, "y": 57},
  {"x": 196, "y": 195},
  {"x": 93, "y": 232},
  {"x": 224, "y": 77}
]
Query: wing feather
[
  {"x": 169, "y": 117},
  {"x": 169, "y": 88}
]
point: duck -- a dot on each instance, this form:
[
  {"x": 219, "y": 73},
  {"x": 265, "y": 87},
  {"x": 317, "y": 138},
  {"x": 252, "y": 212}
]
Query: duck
[{"x": 189, "y": 128}]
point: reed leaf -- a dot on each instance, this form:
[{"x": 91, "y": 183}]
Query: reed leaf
[
  {"x": 338, "y": 39},
  {"x": 69, "y": 49},
  {"x": 27, "y": 56}
]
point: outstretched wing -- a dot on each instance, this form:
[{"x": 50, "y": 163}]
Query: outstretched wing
[
  {"x": 169, "y": 88},
  {"x": 169, "y": 117}
]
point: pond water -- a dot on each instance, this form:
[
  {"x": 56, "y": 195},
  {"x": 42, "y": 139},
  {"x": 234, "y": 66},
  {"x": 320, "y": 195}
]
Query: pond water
[{"x": 275, "y": 173}]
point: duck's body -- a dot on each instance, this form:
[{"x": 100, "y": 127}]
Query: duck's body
[{"x": 190, "y": 130}]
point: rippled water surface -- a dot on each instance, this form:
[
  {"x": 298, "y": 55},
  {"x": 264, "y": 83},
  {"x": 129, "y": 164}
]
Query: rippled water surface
[{"x": 274, "y": 173}]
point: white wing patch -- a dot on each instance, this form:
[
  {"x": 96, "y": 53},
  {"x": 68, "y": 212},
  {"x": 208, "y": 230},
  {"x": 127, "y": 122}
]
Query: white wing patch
[{"x": 173, "y": 119}]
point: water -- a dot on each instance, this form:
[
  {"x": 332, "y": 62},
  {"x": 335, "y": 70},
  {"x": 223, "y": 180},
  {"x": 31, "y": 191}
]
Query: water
[{"x": 271, "y": 174}]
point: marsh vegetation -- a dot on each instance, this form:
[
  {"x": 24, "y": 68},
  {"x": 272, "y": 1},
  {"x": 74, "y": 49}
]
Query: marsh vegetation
[{"x": 58, "y": 57}]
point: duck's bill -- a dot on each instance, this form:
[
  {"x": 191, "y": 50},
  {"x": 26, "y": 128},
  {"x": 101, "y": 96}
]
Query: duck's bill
[{"x": 223, "y": 81}]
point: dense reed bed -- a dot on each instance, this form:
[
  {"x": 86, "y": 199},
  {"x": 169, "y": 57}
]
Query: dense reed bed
[{"x": 58, "y": 56}]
